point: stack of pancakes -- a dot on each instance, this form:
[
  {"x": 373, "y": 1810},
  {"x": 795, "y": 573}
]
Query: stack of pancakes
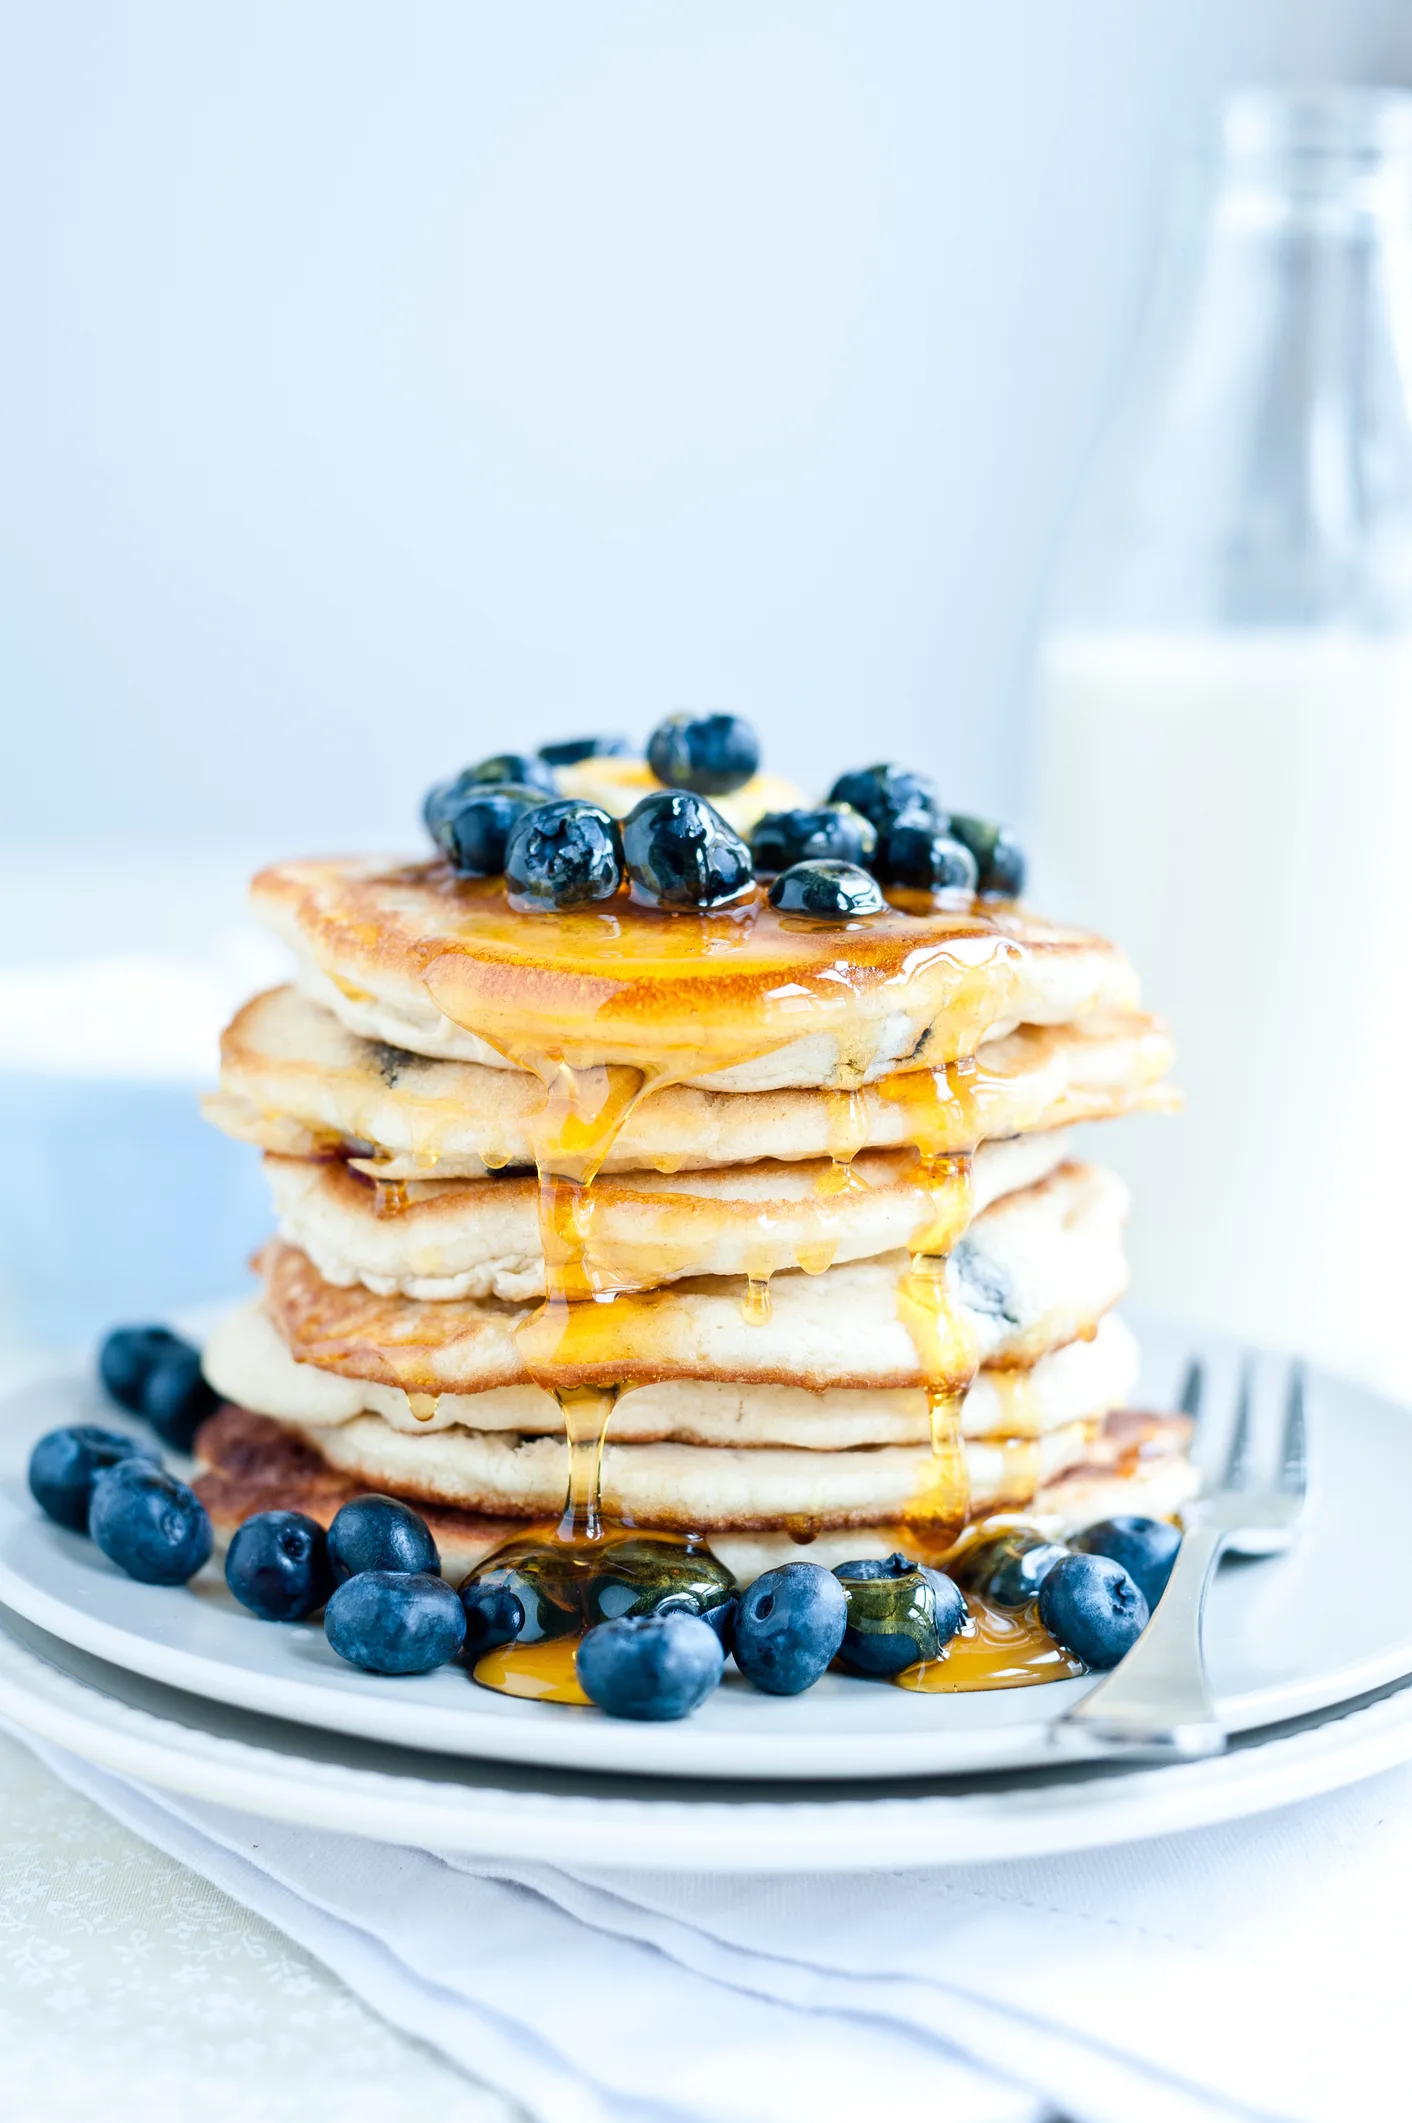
[{"x": 792, "y": 1208}]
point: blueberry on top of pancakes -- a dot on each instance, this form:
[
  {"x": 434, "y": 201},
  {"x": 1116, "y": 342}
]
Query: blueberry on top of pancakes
[
  {"x": 919, "y": 851},
  {"x": 565, "y": 854},
  {"x": 573, "y": 751},
  {"x": 681, "y": 854},
  {"x": 826, "y": 891},
  {"x": 521, "y": 770},
  {"x": 884, "y": 792},
  {"x": 472, "y": 828},
  {"x": 711, "y": 754},
  {"x": 1000, "y": 860},
  {"x": 831, "y": 832}
]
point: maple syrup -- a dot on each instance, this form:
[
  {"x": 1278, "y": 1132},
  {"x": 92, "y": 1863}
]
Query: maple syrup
[
  {"x": 637, "y": 982},
  {"x": 995, "y": 1648}
]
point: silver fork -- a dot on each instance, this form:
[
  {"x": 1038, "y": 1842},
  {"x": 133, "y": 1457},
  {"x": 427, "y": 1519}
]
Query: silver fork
[{"x": 1157, "y": 1703}]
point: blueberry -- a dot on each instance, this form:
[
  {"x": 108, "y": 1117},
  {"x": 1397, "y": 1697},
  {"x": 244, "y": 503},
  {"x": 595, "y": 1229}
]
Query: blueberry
[
  {"x": 650, "y": 1666},
  {"x": 789, "y": 1626},
  {"x": 126, "y": 1358},
  {"x": 918, "y": 851},
  {"x": 472, "y": 829},
  {"x": 827, "y": 891},
  {"x": 64, "y": 1466},
  {"x": 711, "y": 754},
  {"x": 380, "y": 1533},
  {"x": 277, "y": 1565},
  {"x": 1008, "y": 1568},
  {"x": 176, "y": 1399},
  {"x": 898, "y": 1613},
  {"x": 395, "y": 1621},
  {"x": 148, "y": 1523},
  {"x": 832, "y": 832},
  {"x": 1093, "y": 1608},
  {"x": 565, "y": 854},
  {"x": 1146, "y": 1548},
  {"x": 647, "y": 1574},
  {"x": 572, "y": 751},
  {"x": 883, "y": 793},
  {"x": 495, "y": 1614},
  {"x": 680, "y": 853},
  {"x": 1000, "y": 860}
]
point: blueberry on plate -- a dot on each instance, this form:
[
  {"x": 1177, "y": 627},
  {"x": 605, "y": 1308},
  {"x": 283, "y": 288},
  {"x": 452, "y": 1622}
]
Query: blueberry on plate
[
  {"x": 1093, "y": 1608},
  {"x": 66, "y": 1463},
  {"x": 1000, "y": 860},
  {"x": 919, "y": 852},
  {"x": 380, "y": 1533},
  {"x": 899, "y": 1612},
  {"x": 788, "y": 1627},
  {"x": 148, "y": 1523},
  {"x": 831, "y": 832},
  {"x": 1146, "y": 1548},
  {"x": 495, "y": 1613},
  {"x": 827, "y": 891},
  {"x": 681, "y": 854},
  {"x": 126, "y": 1358},
  {"x": 277, "y": 1565},
  {"x": 650, "y": 1666},
  {"x": 711, "y": 754},
  {"x": 472, "y": 829},
  {"x": 1007, "y": 1568},
  {"x": 176, "y": 1399},
  {"x": 573, "y": 751},
  {"x": 883, "y": 793},
  {"x": 565, "y": 854},
  {"x": 395, "y": 1621}
]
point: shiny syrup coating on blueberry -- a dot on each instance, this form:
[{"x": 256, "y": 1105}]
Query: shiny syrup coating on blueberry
[
  {"x": 565, "y": 854},
  {"x": 681, "y": 854},
  {"x": 830, "y": 832},
  {"x": 711, "y": 754},
  {"x": 827, "y": 891}
]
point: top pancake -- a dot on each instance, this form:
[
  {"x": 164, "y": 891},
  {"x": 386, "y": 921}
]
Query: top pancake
[{"x": 741, "y": 999}]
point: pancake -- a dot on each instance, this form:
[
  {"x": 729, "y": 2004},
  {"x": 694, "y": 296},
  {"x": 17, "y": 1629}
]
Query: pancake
[
  {"x": 248, "y": 1363},
  {"x": 1037, "y": 1269},
  {"x": 296, "y": 1081},
  {"x": 445, "y": 1239},
  {"x": 250, "y": 1464},
  {"x": 744, "y": 998}
]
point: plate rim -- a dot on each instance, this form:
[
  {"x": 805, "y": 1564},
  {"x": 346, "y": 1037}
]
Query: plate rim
[{"x": 1043, "y": 1816}]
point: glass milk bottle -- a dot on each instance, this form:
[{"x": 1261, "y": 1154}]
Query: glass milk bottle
[{"x": 1222, "y": 777}]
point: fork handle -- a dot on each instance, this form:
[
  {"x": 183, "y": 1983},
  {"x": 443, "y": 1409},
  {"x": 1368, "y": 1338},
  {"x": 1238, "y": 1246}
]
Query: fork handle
[{"x": 1157, "y": 1702}]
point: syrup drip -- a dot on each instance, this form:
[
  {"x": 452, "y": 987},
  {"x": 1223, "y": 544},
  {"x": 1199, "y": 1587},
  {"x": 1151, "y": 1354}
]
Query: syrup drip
[
  {"x": 757, "y": 1308},
  {"x": 423, "y": 1405},
  {"x": 390, "y": 1197},
  {"x": 995, "y": 1649},
  {"x": 586, "y": 1411}
]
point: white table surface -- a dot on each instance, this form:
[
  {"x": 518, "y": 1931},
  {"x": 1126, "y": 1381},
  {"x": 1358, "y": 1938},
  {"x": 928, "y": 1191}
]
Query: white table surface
[{"x": 131, "y": 1988}]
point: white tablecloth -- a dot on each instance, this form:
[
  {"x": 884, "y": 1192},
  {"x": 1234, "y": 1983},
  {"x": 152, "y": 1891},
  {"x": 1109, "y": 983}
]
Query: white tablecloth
[{"x": 1254, "y": 1970}]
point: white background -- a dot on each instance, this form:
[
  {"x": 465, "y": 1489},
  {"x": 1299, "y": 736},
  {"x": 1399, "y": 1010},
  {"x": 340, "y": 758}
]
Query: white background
[{"x": 381, "y": 384}]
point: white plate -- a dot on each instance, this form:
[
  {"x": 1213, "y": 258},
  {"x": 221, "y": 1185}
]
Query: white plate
[
  {"x": 287, "y": 1772},
  {"x": 1323, "y": 1626}
]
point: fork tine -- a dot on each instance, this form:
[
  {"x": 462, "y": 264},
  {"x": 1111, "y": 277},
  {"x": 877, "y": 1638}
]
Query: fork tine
[
  {"x": 1193, "y": 1387},
  {"x": 1294, "y": 1446},
  {"x": 1236, "y": 1459}
]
